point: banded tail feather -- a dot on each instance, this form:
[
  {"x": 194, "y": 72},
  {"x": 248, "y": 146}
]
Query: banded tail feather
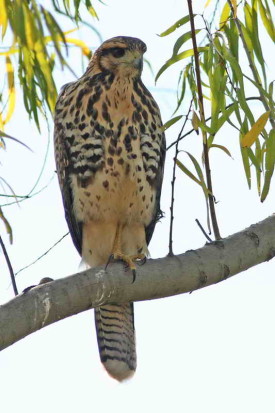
[{"x": 116, "y": 339}]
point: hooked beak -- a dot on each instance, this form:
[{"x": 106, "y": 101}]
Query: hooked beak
[{"x": 138, "y": 63}]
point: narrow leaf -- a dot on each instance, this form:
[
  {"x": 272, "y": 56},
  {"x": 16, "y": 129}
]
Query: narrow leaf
[
  {"x": 182, "y": 39},
  {"x": 187, "y": 172},
  {"x": 269, "y": 163},
  {"x": 225, "y": 116},
  {"x": 195, "y": 121},
  {"x": 82, "y": 45},
  {"x": 267, "y": 20},
  {"x": 176, "y": 25},
  {"x": 171, "y": 122},
  {"x": 7, "y": 225},
  {"x": 177, "y": 58},
  {"x": 223, "y": 148},
  {"x": 251, "y": 136},
  {"x": 3, "y": 17},
  {"x": 11, "y": 88},
  {"x": 224, "y": 16}
]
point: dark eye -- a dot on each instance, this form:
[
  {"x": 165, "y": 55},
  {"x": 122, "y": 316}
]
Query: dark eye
[{"x": 118, "y": 52}]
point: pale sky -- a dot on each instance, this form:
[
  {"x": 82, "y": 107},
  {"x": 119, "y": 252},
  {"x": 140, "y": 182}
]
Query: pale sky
[{"x": 210, "y": 351}]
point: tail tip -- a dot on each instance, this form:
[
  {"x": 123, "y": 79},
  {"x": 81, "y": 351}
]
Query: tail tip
[{"x": 119, "y": 370}]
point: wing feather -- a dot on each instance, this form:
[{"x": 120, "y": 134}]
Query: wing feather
[{"x": 63, "y": 170}]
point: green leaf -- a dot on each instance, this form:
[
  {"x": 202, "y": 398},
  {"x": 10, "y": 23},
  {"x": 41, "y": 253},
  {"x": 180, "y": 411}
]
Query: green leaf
[
  {"x": 182, "y": 93},
  {"x": 244, "y": 153},
  {"x": 217, "y": 82},
  {"x": 223, "y": 148},
  {"x": 171, "y": 122},
  {"x": 187, "y": 172},
  {"x": 259, "y": 170},
  {"x": 267, "y": 19},
  {"x": 270, "y": 95},
  {"x": 189, "y": 70},
  {"x": 195, "y": 121},
  {"x": 225, "y": 116},
  {"x": 224, "y": 16},
  {"x": 91, "y": 9},
  {"x": 7, "y": 225},
  {"x": 233, "y": 39},
  {"x": 200, "y": 174},
  {"x": 55, "y": 32},
  {"x": 203, "y": 126},
  {"x": 11, "y": 90},
  {"x": 252, "y": 35},
  {"x": 199, "y": 181},
  {"x": 248, "y": 40},
  {"x": 176, "y": 25},
  {"x": 254, "y": 159},
  {"x": 182, "y": 39},
  {"x": 269, "y": 163},
  {"x": 246, "y": 165},
  {"x": 177, "y": 58}
]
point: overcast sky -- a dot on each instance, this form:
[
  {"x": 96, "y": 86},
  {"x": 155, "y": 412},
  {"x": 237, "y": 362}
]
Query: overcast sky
[{"x": 209, "y": 351}]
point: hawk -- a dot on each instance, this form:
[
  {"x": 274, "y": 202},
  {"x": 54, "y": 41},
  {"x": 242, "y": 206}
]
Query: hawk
[{"x": 110, "y": 151}]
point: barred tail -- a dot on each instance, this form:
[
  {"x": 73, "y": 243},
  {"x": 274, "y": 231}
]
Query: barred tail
[{"x": 116, "y": 339}]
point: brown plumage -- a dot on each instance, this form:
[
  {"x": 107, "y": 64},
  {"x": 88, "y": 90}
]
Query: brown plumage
[{"x": 110, "y": 151}]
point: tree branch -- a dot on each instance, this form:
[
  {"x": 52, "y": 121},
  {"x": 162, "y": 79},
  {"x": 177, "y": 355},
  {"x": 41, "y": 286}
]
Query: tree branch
[
  {"x": 211, "y": 199},
  {"x": 215, "y": 262}
]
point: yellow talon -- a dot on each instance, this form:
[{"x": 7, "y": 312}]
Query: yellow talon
[{"x": 126, "y": 258}]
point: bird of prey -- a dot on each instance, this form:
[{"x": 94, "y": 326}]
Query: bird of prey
[{"x": 110, "y": 151}]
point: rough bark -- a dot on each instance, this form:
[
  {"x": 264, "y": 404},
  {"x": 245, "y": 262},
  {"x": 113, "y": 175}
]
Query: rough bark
[{"x": 215, "y": 262}]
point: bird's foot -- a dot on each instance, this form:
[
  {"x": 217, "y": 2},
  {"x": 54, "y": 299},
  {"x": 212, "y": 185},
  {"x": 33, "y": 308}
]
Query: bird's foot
[
  {"x": 129, "y": 261},
  {"x": 139, "y": 258}
]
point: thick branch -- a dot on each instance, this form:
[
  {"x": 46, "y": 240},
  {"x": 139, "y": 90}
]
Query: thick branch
[{"x": 48, "y": 303}]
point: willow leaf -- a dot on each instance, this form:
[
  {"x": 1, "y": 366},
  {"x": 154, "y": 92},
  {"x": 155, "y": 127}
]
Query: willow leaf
[
  {"x": 224, "y": 16},
  {"x": 182, "y": 39},
  {"x": 171, "y": 122},
  {"x": 251, "y": 136},
  {"x": 176, "y": 25},
  {"x": 267, "y": 19},
  {"x": 177, "y": 58},
  {"x": 187, "y": 172},
  {"x": 269, "y": 164},
  {"x": 3, "y": 17},
  {"x": 11, "y": 88},
  {"x": 223, "y": 148},
  {"x": 7, "y": 225}
]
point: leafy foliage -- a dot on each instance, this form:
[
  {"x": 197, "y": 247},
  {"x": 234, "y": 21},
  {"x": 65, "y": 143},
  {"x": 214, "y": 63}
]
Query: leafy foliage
[
  {"x": 225, "y": 83},
  {"x": 37, "y": 46}
]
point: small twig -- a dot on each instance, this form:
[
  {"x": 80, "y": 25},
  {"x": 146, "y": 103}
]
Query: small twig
[
  {"x": 9, "y": 266},
  {"x": 41, "y": 256},
  {"x": 203, "y": 231},
  {"x": 28, "y": 196},
  {"x": 206, "y": 120},
  {"x": 173, "y": 184}
]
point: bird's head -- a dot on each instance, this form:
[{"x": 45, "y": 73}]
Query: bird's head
[{"x": 120, "y": 56}]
